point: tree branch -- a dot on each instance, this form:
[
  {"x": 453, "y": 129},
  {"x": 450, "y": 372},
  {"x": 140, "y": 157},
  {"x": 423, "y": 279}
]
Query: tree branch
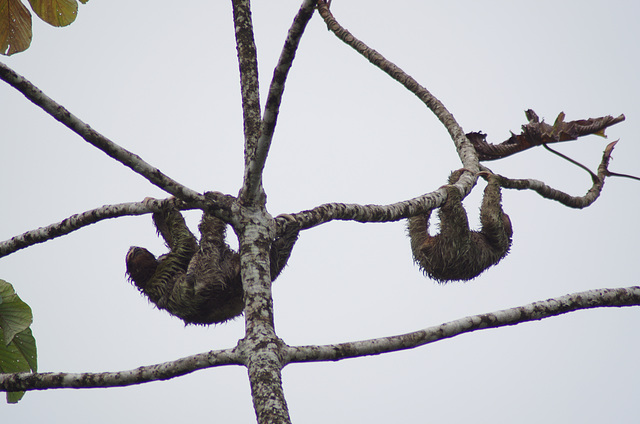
[
  {"x": 363, "y": 213},
  {"x": 77, "y": 221},
  {"x": 276, "y": 90},
  {"x": 465, "y": 151},
  {"x": 261, "y": 346},
  {"x": 396, "y": 211},
  {"x": 163, "y": 371},
  {"x": 96, "y": 139},
  {"x": 250, "y": 91},
  {"x": 577, "y": 202},
  {"x": 617, "y": 297},
  {"x": 254, "y": 228}
]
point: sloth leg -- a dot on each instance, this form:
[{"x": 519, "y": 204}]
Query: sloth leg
[
  {"x": 214, "y": 272},
  {"x": 214, "y": 277},
  {"x": 281, "y": 250},
  {"x": 199, "y": 284},
  {"x": 493, "y": 241},
  {"x": 443, "y": 257}
]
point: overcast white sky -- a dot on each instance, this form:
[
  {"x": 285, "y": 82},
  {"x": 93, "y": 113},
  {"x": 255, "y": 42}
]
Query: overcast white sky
[{"x": 161, "y": 79}]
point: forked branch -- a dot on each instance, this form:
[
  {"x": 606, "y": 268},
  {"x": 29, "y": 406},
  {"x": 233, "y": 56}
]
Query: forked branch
[
  {"x": 618, "y": 297},
  {"x": 577, "y": 202}
]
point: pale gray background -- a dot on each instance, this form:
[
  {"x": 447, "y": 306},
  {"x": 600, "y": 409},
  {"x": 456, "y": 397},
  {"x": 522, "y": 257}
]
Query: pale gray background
[{"x": 161, "y": 79}]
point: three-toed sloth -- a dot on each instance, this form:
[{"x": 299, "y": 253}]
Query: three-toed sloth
[
  {"x": 458, "y": 253},
  {"x": 197, "y": 282}
]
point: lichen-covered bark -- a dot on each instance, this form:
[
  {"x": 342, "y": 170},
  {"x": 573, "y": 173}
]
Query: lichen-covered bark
[
  {"x": 255, "y": 229},
  {"x": 261, "y": 346},
  {"x": 250, "y": 93},
  {"x": 618, "y": 297}
]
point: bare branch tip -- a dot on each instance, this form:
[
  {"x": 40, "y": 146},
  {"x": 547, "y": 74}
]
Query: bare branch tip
[{"x": 610, "y": 146}]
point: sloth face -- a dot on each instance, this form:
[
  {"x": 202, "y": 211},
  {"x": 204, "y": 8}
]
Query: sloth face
[{"x": 141, "y": 264}]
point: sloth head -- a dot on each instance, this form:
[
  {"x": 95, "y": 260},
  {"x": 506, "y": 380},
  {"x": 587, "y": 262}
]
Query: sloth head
[{"x": 141, "y": 264}]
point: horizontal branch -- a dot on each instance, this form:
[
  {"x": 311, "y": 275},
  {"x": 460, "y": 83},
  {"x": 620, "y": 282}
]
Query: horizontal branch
[
  {"x": 617, "y": 297},
  {"x": 164, "y": 371},
  {"x": 96, "y": 139},
  {"x": 363, "y": 213}
]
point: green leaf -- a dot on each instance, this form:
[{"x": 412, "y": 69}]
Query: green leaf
[
  {"x": 15, "y": 315},
  {"x": 15, "y": 27},
  {"x": 19, "y": 356},
  {"x": 58, "y": 13},
  {"x": 18, "y": 351}
]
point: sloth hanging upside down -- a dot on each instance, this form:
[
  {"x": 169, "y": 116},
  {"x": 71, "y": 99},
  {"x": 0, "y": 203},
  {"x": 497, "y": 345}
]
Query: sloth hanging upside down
[
  {"x": 458, "y": 253},
  {"x": 198, "y": 283}
]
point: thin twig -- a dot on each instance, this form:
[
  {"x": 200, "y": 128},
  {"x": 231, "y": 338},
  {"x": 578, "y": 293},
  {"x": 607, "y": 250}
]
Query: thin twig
[
  {"x": 577, "y": 202},
  {"x": 594, "y": 177},
  {"x": 617, "y": 174}
]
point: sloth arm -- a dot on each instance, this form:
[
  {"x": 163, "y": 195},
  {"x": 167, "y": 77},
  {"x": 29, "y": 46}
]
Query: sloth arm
[{"x": 171, "y": 269}]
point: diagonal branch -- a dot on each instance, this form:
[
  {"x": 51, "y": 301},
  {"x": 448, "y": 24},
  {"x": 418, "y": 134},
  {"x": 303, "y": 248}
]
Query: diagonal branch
[
  {"x": 216, "y": 203},
  {"x": 466, "y": 153},
  {"x": 77, "y": 221},
  {"x": 276, "y": 90},
  {"x": 96, "y": 139},
  {"x": 164, "y": 371},
  {"x": 577, "y": 202},
  {"x": 537, "y": 133},
  {"x": 617, "y": 297}
]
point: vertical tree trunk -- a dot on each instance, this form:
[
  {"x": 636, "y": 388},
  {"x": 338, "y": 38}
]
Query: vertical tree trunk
[{"x": 261, "y": 347}]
